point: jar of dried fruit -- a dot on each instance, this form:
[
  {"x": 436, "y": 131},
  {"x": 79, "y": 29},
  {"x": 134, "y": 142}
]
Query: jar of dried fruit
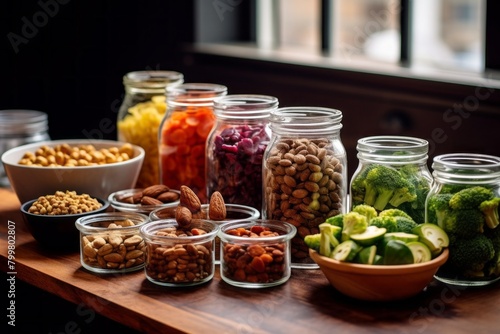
[
  {"x": 304, "y": 173},
  {"x": 183, "y": 134},
  {"x": 236, "y": 146},
  {"x": 140, "y": 115},
  {"x": 464, "y": 200}
]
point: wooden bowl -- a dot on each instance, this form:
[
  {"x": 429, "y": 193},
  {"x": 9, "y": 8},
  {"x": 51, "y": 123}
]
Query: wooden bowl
[{"x": 378, "y": 282}]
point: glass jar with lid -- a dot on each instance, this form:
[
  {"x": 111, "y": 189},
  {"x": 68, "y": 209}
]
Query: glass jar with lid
[
  {"x": 140, "y": 115},
  {"x": 304, "y": 173},
  {"x": 403, "y": 160},
  {"x": 19, "y": 127},
  {"x": 235, "y": 148},
  {"x": 464, "y": 201},
  {"x": 183, "y": 135}
]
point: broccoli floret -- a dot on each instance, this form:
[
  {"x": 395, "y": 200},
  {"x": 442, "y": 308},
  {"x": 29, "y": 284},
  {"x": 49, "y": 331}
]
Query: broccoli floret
[
  {"x": 489, "y": 209},
  {"x": 422, "y": 184},
  {"x": 437, "y": 208},
  {"x": 354, "y": 223},
  {"x": 394, "y": 213},
  {"x": 366, "y": 210},
  {"x": 384, "y": 184},
  {"x": 312, "y": 241},
  {"x": 358, "y": 186},
  {"x": 493, "y": 266},
  {"x": 470, "y": 198},
  {"x": 404, "y": 224},
  {"x": 388, "y": 222},
  {"x": 337, "y": 220},
  {"x": 471, "y": 254},
  {"x": 464, "y": 223}
]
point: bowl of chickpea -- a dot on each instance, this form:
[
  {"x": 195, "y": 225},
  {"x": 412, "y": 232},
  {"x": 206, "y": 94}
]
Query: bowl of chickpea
[
  {"x": 97, "y": 167},
  {"x": 51, "y": 218}
]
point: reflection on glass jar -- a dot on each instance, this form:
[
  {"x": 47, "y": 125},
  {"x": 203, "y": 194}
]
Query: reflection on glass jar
[
  {"x": 140, "y": 116},
  {"x": 464, "y": 201},
  {"x": 235, "y": 148},
  {"x": 304, "y": 173},
  {"x": 183, "y": 135}
]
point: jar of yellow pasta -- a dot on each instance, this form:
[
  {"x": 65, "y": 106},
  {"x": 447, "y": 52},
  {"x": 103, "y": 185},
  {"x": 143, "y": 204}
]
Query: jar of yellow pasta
[{"x": 140, "y": 115}]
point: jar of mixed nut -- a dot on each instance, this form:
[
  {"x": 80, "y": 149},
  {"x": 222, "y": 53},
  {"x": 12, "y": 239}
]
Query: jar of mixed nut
[
  {"x": 236, "y": 146},
  {"x": 256, "y": 254},
  {"x": 304, "y": 173},
  {"x": 111, "y": 243},
  {"x": 179, "y": 256},
  {"x": 140, "y": 115},
  {"x": 402, "y": 163},
  {"x": 464, "y": 200},
  {"x": 183, "y": 135}
]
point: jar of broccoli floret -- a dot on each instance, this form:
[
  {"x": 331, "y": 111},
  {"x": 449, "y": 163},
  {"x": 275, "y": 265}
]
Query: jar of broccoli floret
[
  {"x": 235, "y": 148},
  {"x": 392, "y": 174},
  {"x": 464, "y": 201}
]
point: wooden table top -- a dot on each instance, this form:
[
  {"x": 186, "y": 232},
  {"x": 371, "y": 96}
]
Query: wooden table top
[{"x": 305, "y": 304}]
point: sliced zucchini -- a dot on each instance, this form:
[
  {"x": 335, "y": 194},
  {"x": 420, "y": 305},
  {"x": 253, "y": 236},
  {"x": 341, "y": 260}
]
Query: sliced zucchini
[{"x": 346, "y": 251}]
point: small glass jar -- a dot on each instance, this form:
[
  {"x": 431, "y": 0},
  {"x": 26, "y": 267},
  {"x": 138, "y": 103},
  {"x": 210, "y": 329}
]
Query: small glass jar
[
  {"x": 140, "y": 115},
  {"x": 406, "y": 158},
  {"x": 183, "y": 135},
  {"x": 19, "y": 127},
  {"x": 124, "y": 200},
  {"x": 474, "y": 247},
  {"x": 304, "y": 173},
  {"x": 177, "y": 257},
  {"x": 256, "y": 254},
  {"x": 235, "y": 148},
  {"x": 111, "y": 243}
]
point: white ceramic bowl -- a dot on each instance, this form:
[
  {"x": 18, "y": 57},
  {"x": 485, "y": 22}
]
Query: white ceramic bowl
[{"x": 30, "y": 182}]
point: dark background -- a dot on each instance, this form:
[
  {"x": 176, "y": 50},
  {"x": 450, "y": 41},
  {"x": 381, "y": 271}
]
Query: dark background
[{"x": 71, "y": 56}]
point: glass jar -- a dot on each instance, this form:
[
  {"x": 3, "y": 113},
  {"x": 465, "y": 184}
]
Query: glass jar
[
  {"x": 256, "y": 254},
  {"x": 19, "y": 127},
  {"x": 110, "y": 242},
  {"x": 462, "y": 182},
  {"x": 406, "y": 160},
  {"x": 183, "y": 135},
  {"x": 140, "y": 115},
  {"x": 304, "y": 173},
  {"x": 176, "y": 257},
  {"x": 235, "y": 148}
]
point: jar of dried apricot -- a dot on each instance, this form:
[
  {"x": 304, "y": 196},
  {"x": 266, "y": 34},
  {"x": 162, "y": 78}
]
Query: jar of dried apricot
[
  {"x": 183, "y": 134},
  {"x": 140, "y": 116}
]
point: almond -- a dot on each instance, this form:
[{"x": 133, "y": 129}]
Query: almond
[
  {"x": 189, "y": 199},
  {"x": 155, "y": 190},
  {"x": 217, "y": 207},
  {"x": 183, "y": 216},
  {"x": 147, "y": 200},
  {"x": 168, "y": 196}
]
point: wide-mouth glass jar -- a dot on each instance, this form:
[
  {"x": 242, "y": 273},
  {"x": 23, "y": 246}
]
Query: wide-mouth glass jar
[
  {"x": 178, "y": 256},
  {"x": 256, "y": 253},
  {"x": 304, "y": 173},
  {"x": 464, "y": 200},
  {"x": 401, "y": 160},
  {"x": 110, "y": 242}
]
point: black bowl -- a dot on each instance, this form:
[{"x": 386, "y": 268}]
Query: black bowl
[{"x": 57, "y": 232}]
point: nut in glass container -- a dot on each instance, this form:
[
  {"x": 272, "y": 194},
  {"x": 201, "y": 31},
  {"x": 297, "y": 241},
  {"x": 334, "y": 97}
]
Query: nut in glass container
[
  {"x": 178, "y": 256},
  {"x": 256, "y": 253},
  {"x": 111, "y": 243}
]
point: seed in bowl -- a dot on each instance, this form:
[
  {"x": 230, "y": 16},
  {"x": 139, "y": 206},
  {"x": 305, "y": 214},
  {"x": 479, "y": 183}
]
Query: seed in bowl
[
  {"x": 66, "y": 155},
  {"x": 64, "y": 203}
]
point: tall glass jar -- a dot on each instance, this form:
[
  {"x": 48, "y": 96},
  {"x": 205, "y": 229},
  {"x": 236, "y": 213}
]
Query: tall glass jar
[
  {"x": 464, "y": 201},
  {"x": 19, "y": 127},
  {"x": 235, "y": 148},
  {"x": 140, "y": 115},
  {"x": 183, "y": 135},
  {"x": 401, "y": 159},
  {"x": 304, "y": 173}
]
